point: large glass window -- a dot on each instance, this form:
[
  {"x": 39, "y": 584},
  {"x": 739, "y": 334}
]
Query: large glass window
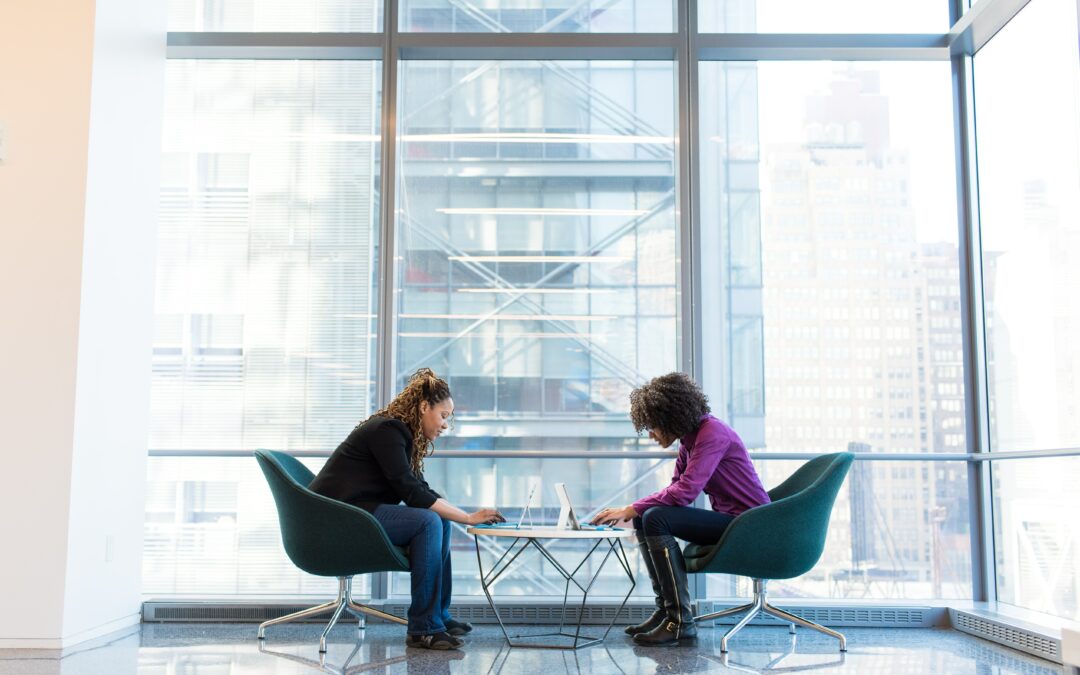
[
  {"x": 212, "y": 530},
  {"x": 898, "y": 531},
  {"x": 537, "y": 235},
  {"x": 831, "y": 16},
  {"x": 539, "y": 223},
  {"x": 538, "y": 16},
  {"x": 357, "y": 16},
  {"x": 266, "y": 292},
  {"x": 833, "y": 185},
  {"x": 1036, "y": 534},
  {"x": 1029, "y": 205},
  {"x": 1028, "y": 133}
]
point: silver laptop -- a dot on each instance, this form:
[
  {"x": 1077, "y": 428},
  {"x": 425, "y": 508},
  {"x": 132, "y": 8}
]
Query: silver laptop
[
  {"x": 568, "y": 520},
  {"x": 521, "y": 518}
]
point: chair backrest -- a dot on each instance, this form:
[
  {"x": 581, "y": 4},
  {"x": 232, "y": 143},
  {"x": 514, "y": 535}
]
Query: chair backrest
[
  {"x": 293, "y": 468},
  {"x": 785, "y": 538},
  {"x": 806, "y": 475},
  {"x": 323, "y": 536}
]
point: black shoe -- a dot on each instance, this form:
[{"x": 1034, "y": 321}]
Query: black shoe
[
  {"x": 458, "y": 627},
  {"x": 668, "y": 634},
  {"x": 440, "y": 641},
  {"x": 657, "y": 618}
]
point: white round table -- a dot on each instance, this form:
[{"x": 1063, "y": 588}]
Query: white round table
[{"x": 532, "y": 536}]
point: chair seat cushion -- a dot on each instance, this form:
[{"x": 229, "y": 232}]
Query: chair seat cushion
[
  {"x": 697, "y": 551},
  {"x": 696, "y": 556}
]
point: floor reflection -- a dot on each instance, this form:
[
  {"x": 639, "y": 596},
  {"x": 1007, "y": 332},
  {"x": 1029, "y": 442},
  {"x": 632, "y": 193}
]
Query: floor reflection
[
  {"x": 595, "y": 659},
  {"x": 376, "y": 658},
  {"x": 231, "y": 649}
]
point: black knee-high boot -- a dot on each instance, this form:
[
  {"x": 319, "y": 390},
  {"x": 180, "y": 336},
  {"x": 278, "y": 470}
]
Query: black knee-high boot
[
  {"x": 678, "y": 625},
  {"x": 658, "y": 614}
]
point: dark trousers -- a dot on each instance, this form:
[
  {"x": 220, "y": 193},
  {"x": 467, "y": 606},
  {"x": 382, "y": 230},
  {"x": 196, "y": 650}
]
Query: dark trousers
[
  {"x": 697, "y": 526},
  {"x": 428, "y": 538}
]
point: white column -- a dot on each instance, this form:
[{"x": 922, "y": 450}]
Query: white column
[
  {"x": 81, "y": 87},
  {"x": 1070, "y": 649}
]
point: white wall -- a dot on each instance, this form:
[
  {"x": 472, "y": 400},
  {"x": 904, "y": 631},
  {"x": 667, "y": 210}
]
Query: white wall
[{"x": 80, "y": 101}]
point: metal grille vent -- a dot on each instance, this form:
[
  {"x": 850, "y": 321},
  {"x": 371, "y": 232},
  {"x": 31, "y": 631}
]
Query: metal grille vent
[
  {"x": 1010, "y": 636},
  {"x": 541, "y": 614},
  {"x": 899, "y": 617},
  {"x": 526, "y": 614},
  {"x": 221, "y": 613}
]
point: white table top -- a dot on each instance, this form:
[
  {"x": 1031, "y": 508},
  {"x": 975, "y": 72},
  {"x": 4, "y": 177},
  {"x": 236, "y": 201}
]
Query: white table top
[{"x": 549, "y": 532}]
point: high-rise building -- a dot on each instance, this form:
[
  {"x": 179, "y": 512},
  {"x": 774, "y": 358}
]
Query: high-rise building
[{"x": 862, "y": 339}]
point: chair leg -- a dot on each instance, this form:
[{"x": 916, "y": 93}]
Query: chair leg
[
  {"x": 361, "y": 620},
  {"x": 724, "y": 612},
  {"x": 787, "y": 616},
  {"x": 761, "y": 604},
  {"x": 329, "y": 626},
  {"x": 343, "y": 603},
  {"x": 302, "y": 614},
  {"x": 360, "y": 610},
  {"x": 755, "y": 607}
]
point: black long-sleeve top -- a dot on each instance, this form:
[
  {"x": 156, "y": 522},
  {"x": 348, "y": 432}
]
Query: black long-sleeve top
[{"x": 371, "y": 467}]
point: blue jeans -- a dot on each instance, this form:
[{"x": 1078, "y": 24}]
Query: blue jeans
[
  {"x": 697, "y": 526},
  {"x": 428, "y": 537}
]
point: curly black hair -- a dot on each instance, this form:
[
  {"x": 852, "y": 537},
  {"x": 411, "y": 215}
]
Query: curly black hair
[{"x": 671, "y": 403}]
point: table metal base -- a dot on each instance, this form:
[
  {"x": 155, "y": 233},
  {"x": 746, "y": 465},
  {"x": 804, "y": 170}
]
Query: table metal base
[{"x": 487, "y": 581}]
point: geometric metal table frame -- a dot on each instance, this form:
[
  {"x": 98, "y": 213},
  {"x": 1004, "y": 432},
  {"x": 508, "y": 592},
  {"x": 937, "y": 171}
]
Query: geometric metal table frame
[{"x": 529, "y": 537}]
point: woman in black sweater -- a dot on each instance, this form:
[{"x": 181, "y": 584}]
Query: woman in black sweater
[{"x": 379, "y": 466}]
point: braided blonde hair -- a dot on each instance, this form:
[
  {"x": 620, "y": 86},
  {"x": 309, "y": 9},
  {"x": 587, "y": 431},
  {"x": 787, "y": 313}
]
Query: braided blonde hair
[{"x": 424, "y": 385}]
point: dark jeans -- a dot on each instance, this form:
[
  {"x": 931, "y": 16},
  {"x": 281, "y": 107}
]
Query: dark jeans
[
  {"x": 428, "y": 538},
  {"x": 697, "y": 526}
]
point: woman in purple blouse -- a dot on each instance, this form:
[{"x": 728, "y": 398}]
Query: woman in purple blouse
[{"x": 712, "y": 459}]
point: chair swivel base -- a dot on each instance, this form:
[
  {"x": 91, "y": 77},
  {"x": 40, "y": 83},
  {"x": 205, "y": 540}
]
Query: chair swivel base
[
  {"x": 343, "y": 603},
  {"x": 758, "y": 605}
]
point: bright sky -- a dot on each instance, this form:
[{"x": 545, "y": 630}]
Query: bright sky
[
  {"x": 920, "y": 114},
  {"x": 1027, "y": 83},
  {"x": 852, "y": 16}
]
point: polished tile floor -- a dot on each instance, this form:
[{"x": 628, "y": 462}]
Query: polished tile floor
[{"x": 231, "y": 649}]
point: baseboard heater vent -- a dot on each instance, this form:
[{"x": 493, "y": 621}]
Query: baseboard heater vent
[
  {"x": 537, "y": 613},
  {"x": 165, "y": 611},
  {"x": 1031, "y": 642},
  {"x": 541, "y": 614},
  {"x": 880, "y": 617}
]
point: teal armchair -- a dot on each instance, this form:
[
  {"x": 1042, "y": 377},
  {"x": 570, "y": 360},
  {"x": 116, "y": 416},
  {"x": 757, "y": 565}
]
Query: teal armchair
[
  {"x": 328, "y": 538},
  {"x": 779, "y": 540}
]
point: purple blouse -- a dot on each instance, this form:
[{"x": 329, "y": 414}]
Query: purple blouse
[{"x": 712, "y": 458}]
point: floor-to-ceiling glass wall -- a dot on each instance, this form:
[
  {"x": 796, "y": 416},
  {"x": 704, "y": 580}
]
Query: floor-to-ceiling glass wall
[
  {"x": 1028, "y": 132},
  {"x": 838, "y": 180},
  {"x": 537, "y": 237},
  {"x": 266, "y": 302},
  {"x": 550, "y": 208}
]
